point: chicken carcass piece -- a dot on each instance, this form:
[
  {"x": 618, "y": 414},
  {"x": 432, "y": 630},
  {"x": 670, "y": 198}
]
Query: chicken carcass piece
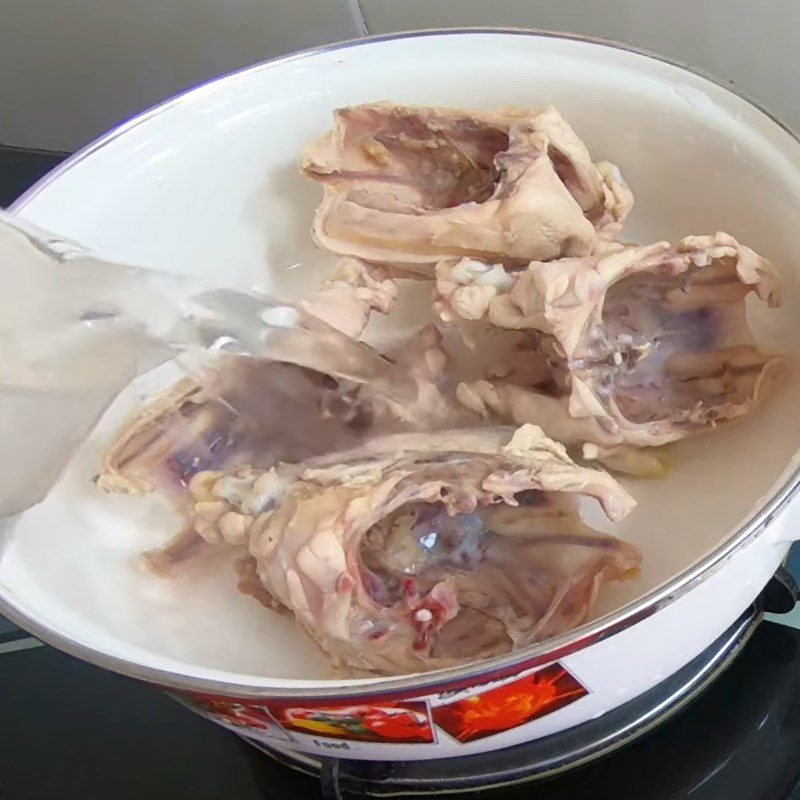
[
  {"x": 254, "y": 411},
  {"x": 407, "y": 186},
  {"x": 248, "y": 412},
  {"x": 200, "y": 425},
  {"x": 347, "y": 299},
  {"x": 646, "y": 344},
  {"x": 463, "y": 293},
  {"x": 428, "y": 402},
  {"x": 418, "y": 551}
]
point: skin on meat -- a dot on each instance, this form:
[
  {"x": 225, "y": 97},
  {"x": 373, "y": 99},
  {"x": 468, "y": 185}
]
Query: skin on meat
[
  {"x": 429, "y": 402},
  {"x": 347, "y": 299},
  {"x": 407, "y": 186},
  {"x": 645, "y": 345},
  {"x": 418, "y": 551},
  {"x": 253, "y": 411},
  {"x": 205, "y": 423},
  {"x": 260, "y": 413}
]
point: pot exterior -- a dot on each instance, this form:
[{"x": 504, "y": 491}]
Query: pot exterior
[{"x": 537, "y": 700}]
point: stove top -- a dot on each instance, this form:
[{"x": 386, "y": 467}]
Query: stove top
[
  {"x": 71, "y": 730},
  {"x": 75, "y": 731}
]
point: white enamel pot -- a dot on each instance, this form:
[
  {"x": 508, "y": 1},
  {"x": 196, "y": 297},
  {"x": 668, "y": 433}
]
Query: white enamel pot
[{"x": 207, "y": 183}]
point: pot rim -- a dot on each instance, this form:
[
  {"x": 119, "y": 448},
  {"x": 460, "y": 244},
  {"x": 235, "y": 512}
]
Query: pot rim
[{"x": 499, "y": 666}]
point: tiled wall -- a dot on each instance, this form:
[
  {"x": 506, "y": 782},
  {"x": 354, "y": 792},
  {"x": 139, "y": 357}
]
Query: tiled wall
[
  {"x": 69, "y": 69},
  {"x": 754, "y": 44}
]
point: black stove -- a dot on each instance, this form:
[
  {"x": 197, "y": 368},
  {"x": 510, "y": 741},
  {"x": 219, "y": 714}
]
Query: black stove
[
  {"x": 71, "y": 730},
  {"x": 728, "y": 725}
]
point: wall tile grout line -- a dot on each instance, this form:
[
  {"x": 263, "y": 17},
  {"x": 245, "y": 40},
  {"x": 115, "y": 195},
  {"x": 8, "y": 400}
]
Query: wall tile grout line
[{"x": 357, "y": 13}]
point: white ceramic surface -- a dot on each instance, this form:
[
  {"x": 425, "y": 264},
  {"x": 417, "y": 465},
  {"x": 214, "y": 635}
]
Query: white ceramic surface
[{"x": 209, "y": 184}]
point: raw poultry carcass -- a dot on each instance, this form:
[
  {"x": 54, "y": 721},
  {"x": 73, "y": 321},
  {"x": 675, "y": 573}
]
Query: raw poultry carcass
[
  {"x": 347, "y": 299},
  {"x": 407, "y": 186},
  {"x": 261, "y": 412},
  {"x": 417, "y": 551},
  {"x": 644, "y": 345},
  {"x": 240, "y": 405},
  {"x": 246, "y": 410},
  {"x": 428, "y": 400}
]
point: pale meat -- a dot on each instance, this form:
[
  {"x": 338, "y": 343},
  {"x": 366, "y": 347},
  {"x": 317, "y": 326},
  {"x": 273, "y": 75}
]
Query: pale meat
[
  {"x": 406, "y": 186},
  {"x": 348, "y": 298},
  {"x": 247, "y": 411},
  {"x": 253, "y": 410},
  {"x": 428, "y": 398},
  {"x": 418, "y": 551},
  {"x": 645, "y": 345}
]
